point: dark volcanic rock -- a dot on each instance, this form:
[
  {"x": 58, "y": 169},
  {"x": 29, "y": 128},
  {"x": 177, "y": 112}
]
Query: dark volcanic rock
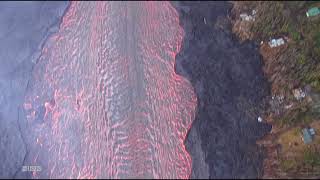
[
  {"x": 230, "y": 86},
  {"x": 24, "y": 27}
]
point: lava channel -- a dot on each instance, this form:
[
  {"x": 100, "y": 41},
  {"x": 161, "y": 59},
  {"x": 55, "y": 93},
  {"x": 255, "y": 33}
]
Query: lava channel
[{"x": 104, "y": 100}]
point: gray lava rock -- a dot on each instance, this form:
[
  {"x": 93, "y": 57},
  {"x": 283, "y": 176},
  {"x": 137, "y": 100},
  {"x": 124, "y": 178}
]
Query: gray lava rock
[
  {"x": 12, "y": 149},
  {"x": 232, "y": 84},
  {"x": 24, "y": 27}
]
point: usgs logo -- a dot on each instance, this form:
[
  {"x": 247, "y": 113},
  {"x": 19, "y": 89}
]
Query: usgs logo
[{"x": 31, "y": 168}]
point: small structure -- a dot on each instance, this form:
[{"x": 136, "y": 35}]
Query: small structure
[
  {"x": 313, "y": 12},
  {"x": 288, "y": 106},
  {"x": 307, "y": 135},
  {"x": 312, "y": 131},
  {"x": 299, "y": 94},
  {"x": 259, "y": 119},
  {"x": 246, "y": 17},
  {"x": 276, "y": 42},
  {"x": 254, "y": 12}
]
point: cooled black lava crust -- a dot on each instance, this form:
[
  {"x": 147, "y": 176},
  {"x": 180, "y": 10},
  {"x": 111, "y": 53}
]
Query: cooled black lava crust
[{"x": 230, "y": 87}]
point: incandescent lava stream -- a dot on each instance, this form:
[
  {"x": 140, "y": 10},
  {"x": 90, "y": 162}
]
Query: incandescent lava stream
[{"x": 105, "y": 101}]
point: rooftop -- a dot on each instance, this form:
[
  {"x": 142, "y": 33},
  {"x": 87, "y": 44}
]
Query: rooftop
[
  {"x": 313, "y": 11},
  {"x": 307, "y": 135}
]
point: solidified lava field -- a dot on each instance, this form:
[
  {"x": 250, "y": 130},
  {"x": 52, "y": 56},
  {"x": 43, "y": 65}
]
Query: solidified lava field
[
  {"x": 105, "y": 101},
  {"x": 128, "y": 90},
  {"x": 231, "y": 90}
]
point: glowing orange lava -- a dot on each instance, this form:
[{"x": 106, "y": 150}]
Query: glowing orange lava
[{"x": 114, "y": 107}]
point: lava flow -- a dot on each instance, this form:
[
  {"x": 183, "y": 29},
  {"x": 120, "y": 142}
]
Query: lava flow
[{"x": 105, "y": 101}]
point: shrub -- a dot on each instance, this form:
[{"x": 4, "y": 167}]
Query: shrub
[
  {"x": 317, "y": 39},
  {"x": 311, "y": 158},
  {"x": 302, "y": 59},
  {"x": 288, "y": 164}
]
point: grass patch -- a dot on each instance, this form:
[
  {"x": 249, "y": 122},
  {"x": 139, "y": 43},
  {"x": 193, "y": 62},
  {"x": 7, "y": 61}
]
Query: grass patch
[
  {"x": 313, "y": 78},
  {"x": 296, "y": 132},
  {"x": 317, "y": 39},
  {"x": 292, "y": 31},
  {"x": 289, "y": 165},
  {"x": 309, "y": 162},
  {"x": 300, "y": 115},
  {"x": 281, "y": 18},
  {"x": 302, "y": 59},
  {"x": 311, "y": 158}
]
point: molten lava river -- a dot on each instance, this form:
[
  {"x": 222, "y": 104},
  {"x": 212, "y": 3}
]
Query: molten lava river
[{"x": 104, "y": 100}]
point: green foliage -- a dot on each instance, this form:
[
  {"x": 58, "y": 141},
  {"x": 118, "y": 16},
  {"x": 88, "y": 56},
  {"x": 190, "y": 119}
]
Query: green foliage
[
  {"x": 300, "y": 62},
  {"x": 317, "y": 39},
  {"x": 316, "y": 84},
  {"x": 317, "y": 53},
  {"x": 296, "y": 132},
  {"x": 313, "y": 78},
  {"x": 307, "y": 119},
  {"x": 270, "y": 21},
  {"x": 316, "y": 42},
  {"x": 311, "y": 158},
  {"x": 300, "y": 115},
  {"x": 302, "y": 59},
  {"x": 291, "y": 30},
  {"x": 288, "y": 164},
  {"x": 310, "y": 4},
  {"x": 295, "y": 35},
  {"x": 285, "y": 27}
]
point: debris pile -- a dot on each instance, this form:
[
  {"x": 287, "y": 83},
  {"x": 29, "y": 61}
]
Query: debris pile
[
  {"x": 276, "y": 42},
  {"x": 299, "y": 94},
  {"x": 246, "y": 17}
]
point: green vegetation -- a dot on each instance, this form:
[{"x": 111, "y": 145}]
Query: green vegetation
[
  {"x": 311, "y": 158},
  {"x": 317, "y": 39},
  {"x": 294, "y": 65},
  {"x": 288, "y": 164},
  {"x": 296, "y": 132},
  {"x": 281, "y": 18},
  {"x": 313, "y": 78},
  {"x": 317, "y": 44},
  {"x": 300, "y": 62},
  {"x": 302, "y": 59},
  {"x": 310, "y": 162},
  {"x": 302, "y": 114}
]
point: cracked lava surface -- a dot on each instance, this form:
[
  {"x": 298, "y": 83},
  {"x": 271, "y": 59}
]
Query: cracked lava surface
[{"x": 105, "y": 101}]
